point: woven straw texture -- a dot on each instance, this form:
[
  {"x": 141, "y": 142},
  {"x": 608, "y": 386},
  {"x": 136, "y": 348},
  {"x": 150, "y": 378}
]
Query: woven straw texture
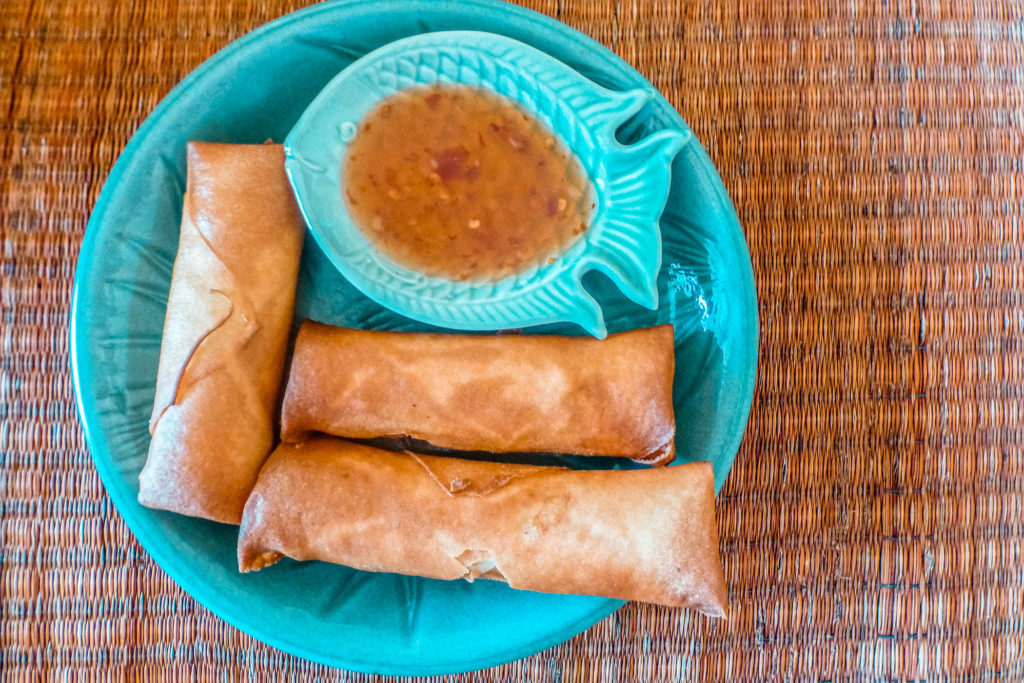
[{"x": 873, "y": 525}]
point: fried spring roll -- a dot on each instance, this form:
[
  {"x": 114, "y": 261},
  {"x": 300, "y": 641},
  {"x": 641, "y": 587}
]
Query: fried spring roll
[
  {"x": 646, "y": 535},
  {"x": 510, "y": 393},
  {"x": 226, "y": 332}
]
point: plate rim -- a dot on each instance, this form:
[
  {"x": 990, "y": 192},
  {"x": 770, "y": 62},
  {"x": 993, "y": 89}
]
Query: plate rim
[{"x": 82, "y": 375}]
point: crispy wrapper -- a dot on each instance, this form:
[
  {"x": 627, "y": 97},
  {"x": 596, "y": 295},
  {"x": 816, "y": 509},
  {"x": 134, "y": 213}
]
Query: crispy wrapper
[
  {"x": 647, "y": 535},
  {"x": 226, "y": 332},
  {"x": 504, "y": 394}
]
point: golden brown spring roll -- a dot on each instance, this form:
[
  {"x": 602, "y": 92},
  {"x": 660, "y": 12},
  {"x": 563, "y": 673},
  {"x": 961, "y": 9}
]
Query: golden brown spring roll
[
  {"x": 504, "y": 394},
  {"x": 226, "y": 332},
  {"x": 647, "y": 535}
]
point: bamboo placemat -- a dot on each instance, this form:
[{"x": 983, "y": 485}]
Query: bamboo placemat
[{"x": 873, "y": 524}]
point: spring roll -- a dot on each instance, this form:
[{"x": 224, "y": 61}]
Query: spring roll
[
  {"x": 229, "y": 314},
  {"x": 504, "y": 394},
  {"x": 647, "y": 535}
]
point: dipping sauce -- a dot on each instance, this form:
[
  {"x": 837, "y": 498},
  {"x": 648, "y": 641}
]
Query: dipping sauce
[{"x": 458, "y": 182}]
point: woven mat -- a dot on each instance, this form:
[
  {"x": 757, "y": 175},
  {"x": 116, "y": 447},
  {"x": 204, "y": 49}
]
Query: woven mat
[{"x": 873, "y": 524}]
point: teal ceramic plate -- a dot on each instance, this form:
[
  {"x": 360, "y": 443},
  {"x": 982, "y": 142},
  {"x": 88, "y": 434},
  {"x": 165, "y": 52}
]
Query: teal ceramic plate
[
  {"x": 257, "y": 88},
  {"x": 630, "y": 182}
]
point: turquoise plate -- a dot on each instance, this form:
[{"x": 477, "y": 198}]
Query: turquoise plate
[
  {"x": 630, "y": 182},
  {"x": 257, "y": 88}
]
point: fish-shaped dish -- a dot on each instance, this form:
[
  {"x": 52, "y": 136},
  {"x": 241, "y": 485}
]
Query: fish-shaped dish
[{"x": 470, "y": 181}]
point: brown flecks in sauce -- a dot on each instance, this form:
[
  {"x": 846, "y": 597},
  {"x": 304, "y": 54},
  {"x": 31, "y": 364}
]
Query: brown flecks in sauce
[{"x": 463, "y": 184}]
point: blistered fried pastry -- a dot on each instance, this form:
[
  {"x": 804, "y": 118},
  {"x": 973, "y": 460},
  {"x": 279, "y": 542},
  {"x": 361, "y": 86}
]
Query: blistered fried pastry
[
  {"x": 225, "y": 334},
  {"x": 504, "y": 394},
  {"x": 647, "y": 535}
]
